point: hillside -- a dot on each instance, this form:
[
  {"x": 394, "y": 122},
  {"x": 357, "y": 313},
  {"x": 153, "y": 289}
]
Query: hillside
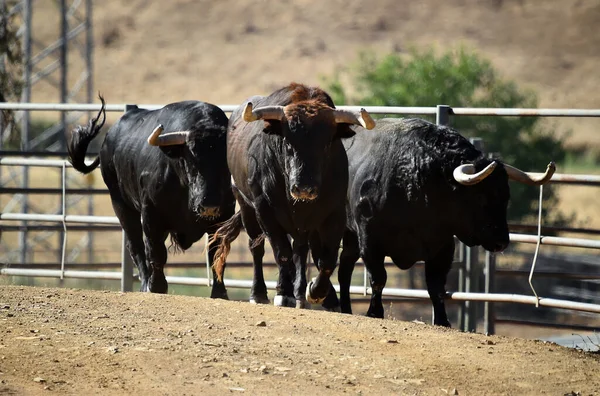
[{"x": 224, "y": 51}]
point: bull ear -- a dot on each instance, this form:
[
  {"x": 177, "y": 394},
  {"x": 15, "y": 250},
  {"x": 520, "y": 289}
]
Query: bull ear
[
  {"x": 173, "y": 152},
  {"x": 344, "y": 131},
  {"x": 272, "y": 127}
]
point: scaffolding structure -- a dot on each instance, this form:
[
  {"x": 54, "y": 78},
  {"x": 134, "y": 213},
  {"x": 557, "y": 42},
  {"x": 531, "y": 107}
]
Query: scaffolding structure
[{"x": 49, "y": 60}]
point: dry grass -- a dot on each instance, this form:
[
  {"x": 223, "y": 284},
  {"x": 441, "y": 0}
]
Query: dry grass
[{"x": 225, "y": 51}]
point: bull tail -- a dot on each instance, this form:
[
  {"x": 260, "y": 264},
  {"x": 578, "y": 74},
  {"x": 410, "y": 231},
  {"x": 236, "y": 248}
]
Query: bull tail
[
  {"x": 225, "y": 234},
  {"x": 80, "y": 138}
]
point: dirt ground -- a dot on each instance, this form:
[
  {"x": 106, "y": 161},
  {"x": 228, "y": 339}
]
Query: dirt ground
[{"x": 92, "y": 342}]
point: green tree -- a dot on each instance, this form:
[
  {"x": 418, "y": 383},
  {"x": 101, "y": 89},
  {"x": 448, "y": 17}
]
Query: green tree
[{"x": 459, "y": 78}]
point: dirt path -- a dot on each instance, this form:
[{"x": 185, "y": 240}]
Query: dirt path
[{"x": 89, "y": 342}]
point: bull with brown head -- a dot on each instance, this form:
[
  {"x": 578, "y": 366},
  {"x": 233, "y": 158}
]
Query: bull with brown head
[{"x": 290, "y": 174}]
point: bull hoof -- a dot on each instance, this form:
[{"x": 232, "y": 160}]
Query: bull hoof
[
  {"x": 158, "y": 284},
  {"x": 375, "y": 314},
  {"x": 310, "y": 298},
  {"x": 332, "y": 309},
  {"x": 222, "y": 296},
  {"x": 284, "y": 301},
  {"x": 302, "y": 304},
  {"x": 259, "y": 300}
]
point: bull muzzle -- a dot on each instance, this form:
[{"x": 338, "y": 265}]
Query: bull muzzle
[
  {"x": 304, "y": 193},
  {"x": 209, "y": 212},
  {"x": 496, "y": 247}
]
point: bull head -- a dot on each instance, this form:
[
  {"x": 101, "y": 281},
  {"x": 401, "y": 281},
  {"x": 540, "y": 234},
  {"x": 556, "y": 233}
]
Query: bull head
[
  {"x": 167, "y": 139},
  {"x": 465, "y": 174},
  {"x": 361, "y": 117}
]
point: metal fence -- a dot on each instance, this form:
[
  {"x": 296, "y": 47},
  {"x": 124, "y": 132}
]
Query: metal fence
[{"x": 466, "y": 271}]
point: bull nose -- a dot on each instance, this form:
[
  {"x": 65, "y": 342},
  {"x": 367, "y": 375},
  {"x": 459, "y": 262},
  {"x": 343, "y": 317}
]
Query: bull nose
[
  {"x": 304, "y": 193},
  {"x": 499, "y": 247},
  {"x": 209, "y": 211}
]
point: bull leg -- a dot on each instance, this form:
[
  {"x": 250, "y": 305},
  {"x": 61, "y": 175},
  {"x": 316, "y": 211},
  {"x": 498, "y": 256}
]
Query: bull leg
[
  {"x": 282, "y": 251},
  {"x": 300, "y": 253},
  {"x": 436, "y": 271},
  {"x": 348, "y": 258},
  {"x": 156, "y": 251},
  {"x": 130, "y": 221},
  {"x": 374, "y": 262},
  {"x": 218, "y": 288},
  {"x": 326, "y": 250},
  {"x": 256, "y": 244},
  {"x": 258, "y": 291},
  {"x": 331, "y": 302}
]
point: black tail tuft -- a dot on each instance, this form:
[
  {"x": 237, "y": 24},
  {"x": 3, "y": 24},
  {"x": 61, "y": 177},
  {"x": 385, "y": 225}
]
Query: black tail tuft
[
  {"x": 225, "y": 234},
  {"x": 80, "y": 138}
]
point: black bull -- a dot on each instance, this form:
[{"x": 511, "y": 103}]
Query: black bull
[
  {"x": 290, "y": 175},
  {"x": 173, "y": 183},
  {"x": 413, "y": 185}
]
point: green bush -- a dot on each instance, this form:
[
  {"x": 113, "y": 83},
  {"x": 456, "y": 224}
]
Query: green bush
[{"x": 459, "y": 78}]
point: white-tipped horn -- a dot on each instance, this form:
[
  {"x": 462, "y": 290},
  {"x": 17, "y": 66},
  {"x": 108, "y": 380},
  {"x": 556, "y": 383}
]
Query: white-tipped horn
[
  {"x": 532, "y": 179},
  {"x": 465, "y": 174},
  {"x": 168, "y": 139},
  {"x": 362, "y": 118},
  {"x": 263, "y": 113},
  {"x": 153, "y": 138}
]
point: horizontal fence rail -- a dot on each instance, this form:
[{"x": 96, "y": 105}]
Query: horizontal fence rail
[
  {"x": 441, "y": 113},
  {"x": 557, "y": 178},
  {"x": 523, "y": 238},
  {"x": 468, "y": 111},
  {"x": 455, "y": 111},
  {"x": 271, "y": 285}
]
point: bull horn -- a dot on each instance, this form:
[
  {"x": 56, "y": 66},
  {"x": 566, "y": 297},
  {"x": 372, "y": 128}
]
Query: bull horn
[
  {"x": 263, "y": 113},
  {"x": 465, "y": 174},
  {"x": 532, "y": 179},
  {"x": 168, "y": 139},
  {"x": 361, "y": 117}
]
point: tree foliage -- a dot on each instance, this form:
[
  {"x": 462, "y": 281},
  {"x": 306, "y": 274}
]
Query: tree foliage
[{"x": 459, "y": 78}]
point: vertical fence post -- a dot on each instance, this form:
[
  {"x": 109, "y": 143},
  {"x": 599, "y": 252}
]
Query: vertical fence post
[
  {"x": 126, "y": 260},
  {"x": 26, "y": 98},
  {"x": 489, "y": 316},
  {"x": 442, "y": 117},
  {"x": 126, "y": 266},
  {"x": 472, "y": 272},
  {"x": 471, "y": 285},
  {"x": 209, "y": 275},
  {"x": 461, "y": 284},
  {"x": 89, "y": 49},
  {"x": 442, "y": 114}
]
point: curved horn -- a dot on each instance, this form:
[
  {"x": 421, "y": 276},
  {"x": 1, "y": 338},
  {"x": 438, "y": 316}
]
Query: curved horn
[
  {"x": 263, "y": 113},
  {"x": 168, "y": 139},
  {"x": 465, "y": 174},
  {"x": 532, "y": 179},
  {"x": 362, "y": 118}
]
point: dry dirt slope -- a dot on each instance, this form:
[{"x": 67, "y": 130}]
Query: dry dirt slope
[
  {"x": 224, "y": 51},
  {"x": 88, "y": 342}
]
